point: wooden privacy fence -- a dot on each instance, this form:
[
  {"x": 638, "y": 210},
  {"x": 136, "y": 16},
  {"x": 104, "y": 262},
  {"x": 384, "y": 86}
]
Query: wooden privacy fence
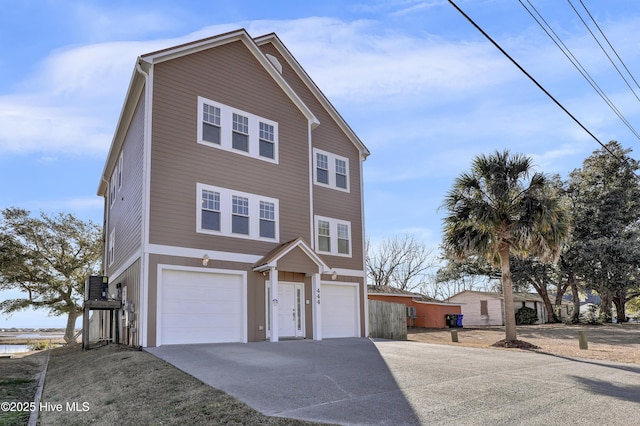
[{"x": 387, "y": 320}]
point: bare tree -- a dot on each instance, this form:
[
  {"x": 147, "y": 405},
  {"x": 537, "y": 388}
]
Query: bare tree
[{"x": 399, "y": 261}]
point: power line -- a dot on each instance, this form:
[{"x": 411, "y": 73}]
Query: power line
[
  {"x": 610, "y": 45},
  {"x": 488, "y": 37},
  {"x": 602, "y": 48},
  {"x": 576, "y": 63}
]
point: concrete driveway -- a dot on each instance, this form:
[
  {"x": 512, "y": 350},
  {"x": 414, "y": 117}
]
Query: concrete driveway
[{"x": 359, "y": 382}]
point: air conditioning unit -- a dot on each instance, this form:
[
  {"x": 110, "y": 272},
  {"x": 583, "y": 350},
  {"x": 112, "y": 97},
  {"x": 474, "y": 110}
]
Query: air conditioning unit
[{"x": 96, "y": 288}]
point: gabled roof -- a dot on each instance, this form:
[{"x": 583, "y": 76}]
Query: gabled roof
[
  {"x": 271, "y": 259},
  {"x": 146, "y": 61},
  {"x": 273, "y": 39}
]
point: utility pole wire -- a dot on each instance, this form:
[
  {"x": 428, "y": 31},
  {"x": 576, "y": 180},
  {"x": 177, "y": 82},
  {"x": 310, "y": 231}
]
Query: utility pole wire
[
  {"x": 576, "y": 63},
  {"x": 603, "y": 49},
  {"x": 532, "y": 79},
  {"x": 610, "y": 45}
]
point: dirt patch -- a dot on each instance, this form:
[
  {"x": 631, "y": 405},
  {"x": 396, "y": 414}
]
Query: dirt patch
[
  {"x": 115, "y": 384},
  {"x": 612, "y": 342}
]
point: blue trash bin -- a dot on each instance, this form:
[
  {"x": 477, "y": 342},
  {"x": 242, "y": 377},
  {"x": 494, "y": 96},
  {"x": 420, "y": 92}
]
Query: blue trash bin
[{"x": 459, "y": 321}]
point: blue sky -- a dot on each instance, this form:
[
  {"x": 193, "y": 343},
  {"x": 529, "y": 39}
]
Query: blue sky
[{"x": 423, "y": 89}]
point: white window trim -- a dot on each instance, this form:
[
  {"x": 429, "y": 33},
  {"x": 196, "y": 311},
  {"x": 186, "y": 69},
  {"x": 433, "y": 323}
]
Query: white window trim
[
  {"x": 112, "y": 188},
  {"x": 111, "y": 256},
  {"x": 226, "y": 213},
  {"x": 226, "y": 131},
  {"x": 119, "y": 171},
  {"x": 333, "y": 233},
  {"x": 332, "y": 170},
  {"x": 115, "y": 184}
]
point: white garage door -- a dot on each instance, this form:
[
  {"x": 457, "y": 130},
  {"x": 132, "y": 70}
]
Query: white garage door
[
  {"x": 340, "y": 311},
  {"x": 201, "y": 307}
]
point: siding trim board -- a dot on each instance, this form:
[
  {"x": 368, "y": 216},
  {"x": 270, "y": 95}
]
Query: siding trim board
[{"x": 199, "y": 253}]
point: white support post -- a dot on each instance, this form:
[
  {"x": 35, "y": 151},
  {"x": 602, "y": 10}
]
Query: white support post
[
  {"x": 317, "y": 314},
  {"x": 273, "y": 280}
]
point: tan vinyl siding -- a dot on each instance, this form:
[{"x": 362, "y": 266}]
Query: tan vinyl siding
[
  {"x": 297, "y": 261},
  {"x": 328, "y": 136},
  {"x": 125, "y": 215},
  {"x": 230, "y": 75}
]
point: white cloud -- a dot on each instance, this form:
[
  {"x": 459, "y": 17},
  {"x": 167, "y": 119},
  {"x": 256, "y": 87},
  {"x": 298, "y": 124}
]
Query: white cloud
[
  {"x": 27, "y": 126},
  {"x": 116, "y": 22},
  {"x": 356, "y": 60}
]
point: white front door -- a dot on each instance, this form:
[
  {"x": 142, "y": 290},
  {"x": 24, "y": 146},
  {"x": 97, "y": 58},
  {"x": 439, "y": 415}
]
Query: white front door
[{"x": 290, "y": 310}]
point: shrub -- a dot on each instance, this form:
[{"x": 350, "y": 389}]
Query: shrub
[
  {"x": 40, "y": 345},
  {"x": 526, "y": 316},
  {"x": 592, "y": 317}
]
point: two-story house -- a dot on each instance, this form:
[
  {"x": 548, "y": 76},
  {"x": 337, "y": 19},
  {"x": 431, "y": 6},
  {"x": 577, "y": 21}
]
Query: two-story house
[{"x": 233, "y": 200}]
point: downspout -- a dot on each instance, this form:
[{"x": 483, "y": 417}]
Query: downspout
[
  {"x": 105, "y": 221},
  {"x": 144, "y": 258},
  {"x": 312, "y": 239}
]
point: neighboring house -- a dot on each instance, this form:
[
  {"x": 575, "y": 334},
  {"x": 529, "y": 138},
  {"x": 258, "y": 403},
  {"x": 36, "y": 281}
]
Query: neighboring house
[
  {"x": 429, "y": 313},
  {"x": 487, "y": 308},
  {"x": 233, "y": 200}
]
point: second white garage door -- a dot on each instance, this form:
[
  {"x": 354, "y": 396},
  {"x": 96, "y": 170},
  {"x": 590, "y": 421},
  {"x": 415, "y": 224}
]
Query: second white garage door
[
  {"x": 340, "y": 311},
  {"x": 201, "y": 307}
]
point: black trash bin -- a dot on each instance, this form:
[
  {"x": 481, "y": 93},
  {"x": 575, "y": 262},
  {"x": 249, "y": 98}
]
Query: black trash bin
[{"x": 452, "y": 320}]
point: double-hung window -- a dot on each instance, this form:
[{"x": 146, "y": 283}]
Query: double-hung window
[
  {"x": 333, "y": 236},
  {"x": 112, "y": 247},
  {"x": 267, "y": 140},
  {"x": 240, "y": 216},
  {"x": 324, "y": 236},
  {"x": 344, "y": 238},
  {"x": 267, "y": 219},
  {"x": 231, "y": 129},
  {"x": 330, "y": 170},
  {"x": 240, "y": 138},
  {"x": 211, "y": 131},
  {"x": 210, "y": 218},
  {"x": 230, "y": 213},
  {"x": 341, "y": 173},
  {"x": 322, "y": 168},
  {"x": 115, "y": 184}
]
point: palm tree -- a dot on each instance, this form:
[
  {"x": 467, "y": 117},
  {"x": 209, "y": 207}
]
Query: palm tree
[{"x": 496, "y": 210}]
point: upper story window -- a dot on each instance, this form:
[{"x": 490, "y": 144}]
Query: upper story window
[
  {"x": 210, "y": 210},
  {"x": 112, "y": 247},
  {"x": 231, "y": 129},
  {"x": 267, "y": 140},
  {"x": 230, "y": 213},
  {"x": 240, "y": 139},
  {"x": 240, "y": 216},
  {"x": 333, "y": 236},
  {"x": 267, "y": 219},
  {"x": 116, "y": 180},
  {"x": 120, "y": 166},
  {"x": 322, "y": 168},
  {"x": 330, "y": 170},
  {"x": 211, "y": 124}
]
